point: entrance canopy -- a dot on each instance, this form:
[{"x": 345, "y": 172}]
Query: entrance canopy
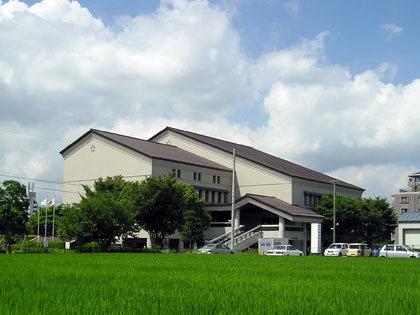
[{"x": 280, "y": 208}]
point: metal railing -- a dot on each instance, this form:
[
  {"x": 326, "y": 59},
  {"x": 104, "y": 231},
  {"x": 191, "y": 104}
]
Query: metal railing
[{"x": 226, "y": 236}]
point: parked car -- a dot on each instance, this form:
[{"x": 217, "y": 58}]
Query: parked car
[
  {"x": 214, "y": 249},
  {"x": 284, "y": 250},
  {"x": 358, "y": 249},
  {"x": 397, "y": 250},
  {"x": 336, "y": 249}
]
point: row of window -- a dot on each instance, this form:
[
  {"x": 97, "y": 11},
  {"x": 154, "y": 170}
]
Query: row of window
[
  {"x": 312, "y": 199},
  {"x": 196, "y": 176},
  {"x": 406, "y": 200},
  {"x": 211, "y": 196}
]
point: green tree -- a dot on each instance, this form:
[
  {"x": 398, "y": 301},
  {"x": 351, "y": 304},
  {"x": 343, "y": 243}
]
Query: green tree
[
  {"x": 102, "y": 215},
  {"x": 158, "y": 203},
  {"x": 379, "y": 220},
  {"x": 195, "y": 220},
  {"x": 368, "y": 220},
  {"x": 13, "y": 211}
]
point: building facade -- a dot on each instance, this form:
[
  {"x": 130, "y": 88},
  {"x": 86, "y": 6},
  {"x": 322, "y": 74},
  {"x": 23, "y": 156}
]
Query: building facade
[
  {"x": 273, "y": 197},
  {"x": 408, "y": 199}
]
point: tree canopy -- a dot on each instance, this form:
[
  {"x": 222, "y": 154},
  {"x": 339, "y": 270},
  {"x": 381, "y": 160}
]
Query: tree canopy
[
  {"x": 14, "y": 203},
  {"x": 368, "y": 220},
  {"x": 101, "y": 216},
  {"x": 116, "y": 207}
]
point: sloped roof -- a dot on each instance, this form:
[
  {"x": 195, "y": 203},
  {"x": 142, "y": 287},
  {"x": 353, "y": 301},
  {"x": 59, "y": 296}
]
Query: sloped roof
[
  {"x": 411, "y": 216},
  {"x": 154, "y": 150},
  {"x": 262, "y": 158},
  {"x": 283, "y": 206}
]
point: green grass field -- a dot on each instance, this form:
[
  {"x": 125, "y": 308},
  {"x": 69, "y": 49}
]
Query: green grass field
[{"x": 200, "y": 284}]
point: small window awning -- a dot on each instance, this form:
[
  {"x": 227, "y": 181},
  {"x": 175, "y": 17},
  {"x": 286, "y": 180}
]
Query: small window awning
[{"x": 280, "y": 208}]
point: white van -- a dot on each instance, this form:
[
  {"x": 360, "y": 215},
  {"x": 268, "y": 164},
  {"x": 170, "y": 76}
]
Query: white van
[
  {"x": 358, "y": 249},
  {"x": 336, "y": 249}
]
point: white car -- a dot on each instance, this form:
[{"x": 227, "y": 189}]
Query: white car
[
  {"x": 336, "y": 249},
  {"x": 284, "y": 250},
  {"x": 397, "y": 250}
]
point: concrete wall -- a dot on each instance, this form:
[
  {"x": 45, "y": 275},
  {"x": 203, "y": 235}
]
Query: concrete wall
[
  {"x": 251, "y": 177},
  {"x": 413, "y": 202},
  {"x": 300, "y": 186},
  {"x": 162, "y": 167},
  {"x": 94, "y": 157}
]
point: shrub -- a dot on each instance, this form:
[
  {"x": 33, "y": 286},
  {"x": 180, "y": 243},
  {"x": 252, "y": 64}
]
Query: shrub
[{"x": 92, "y": 247}]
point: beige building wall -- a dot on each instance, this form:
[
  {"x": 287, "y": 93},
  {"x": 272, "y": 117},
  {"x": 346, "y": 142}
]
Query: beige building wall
[
  {"x": 94, "y": 157},
  {"x": 251, "y": 177},
  {"x": 405, "y": 202},
  {"x": 162, "y": 167}
]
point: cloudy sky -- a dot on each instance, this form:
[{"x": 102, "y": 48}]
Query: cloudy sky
[{"x": 331, "y": 85}]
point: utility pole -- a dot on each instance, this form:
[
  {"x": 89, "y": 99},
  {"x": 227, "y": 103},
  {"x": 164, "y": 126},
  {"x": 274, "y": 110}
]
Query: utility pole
[
  {"x": 232, "y": 223},
  {"x": 334, "y": 182}
]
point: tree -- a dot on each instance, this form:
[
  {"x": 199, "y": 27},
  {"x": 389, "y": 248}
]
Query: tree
[
  {"x": 13, "y": 211},
  {"x": 102, "y": 215},
  {"x": 368, "y": 220},
  {"x": 158, "y": 203},
  {"x": 195, "y": 220}
]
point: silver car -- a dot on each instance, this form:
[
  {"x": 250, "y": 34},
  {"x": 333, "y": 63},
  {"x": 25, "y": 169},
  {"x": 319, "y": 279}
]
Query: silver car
[
  {"x": 397, "y": 250},
  {"x": 214, "y": 249}
]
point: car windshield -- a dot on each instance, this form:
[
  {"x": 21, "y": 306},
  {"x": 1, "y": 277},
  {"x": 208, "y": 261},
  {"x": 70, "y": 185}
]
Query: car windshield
[
  {"x": 334, "y": 246},
  {"x": 355, "y": 246},
  {"x": 281, "y": 247},
  {"x": 209, "y": 246}
]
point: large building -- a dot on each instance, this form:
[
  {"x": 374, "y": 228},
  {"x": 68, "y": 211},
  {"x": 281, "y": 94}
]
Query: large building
[
  {"x": 406, "y": 205},
  {"x": 408, "y": 199},
  {"x": 275, "y": 198}
]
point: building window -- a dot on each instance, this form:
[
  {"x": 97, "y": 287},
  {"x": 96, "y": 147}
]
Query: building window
[
  {"x": 206, "y": 198},
  {"x": 218, "y": 179},
  {"x": 174, "y": 172},
  {"x": 214, "y": 179},
  {"x": 312, "y": 199},
  {"x": 225, "y": 197},
  {"x": 200, "y": 193},
  {"x": 199, "y": 177},
  {"x": 219, "y": 197},
  {"x": 212, "y": 196},
  {"x": 195, "y": 175},
  {"x": 404, "y": 199},
  {"x": 403, "y": 211}
]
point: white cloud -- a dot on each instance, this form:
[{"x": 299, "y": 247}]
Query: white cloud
[
  {"x": 391, "y": 30},
  {"x": 293, "y": 6},
  {"x": 383, "y": 180},
  {"x": 62, "y": 72}
]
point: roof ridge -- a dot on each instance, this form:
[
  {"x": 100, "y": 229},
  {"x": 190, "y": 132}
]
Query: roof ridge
[
  {"x": 135, "y": 138},
  {"x": 214, "y": 138}
]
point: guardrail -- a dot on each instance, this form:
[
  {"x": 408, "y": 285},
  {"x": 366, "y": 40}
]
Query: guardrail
[{"x": 226, "y": 236}]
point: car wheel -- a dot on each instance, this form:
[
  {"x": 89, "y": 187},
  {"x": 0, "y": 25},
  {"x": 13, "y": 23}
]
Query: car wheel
[
  {"x": 300, "y": 254},
  {"x": 412, "y": 256}
]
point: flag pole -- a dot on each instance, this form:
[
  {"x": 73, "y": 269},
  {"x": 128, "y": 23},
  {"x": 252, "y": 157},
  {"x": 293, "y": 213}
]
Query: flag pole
[
  {"x": 37, "y": 232},
  {"x": 53, "y": 204},
  {"x": 46, "y": 219}
]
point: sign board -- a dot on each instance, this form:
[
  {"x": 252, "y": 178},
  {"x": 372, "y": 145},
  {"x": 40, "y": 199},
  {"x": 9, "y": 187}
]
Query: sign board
[
  {"x": 315, "y": 238},
  {"x": 265, "y": 244}
]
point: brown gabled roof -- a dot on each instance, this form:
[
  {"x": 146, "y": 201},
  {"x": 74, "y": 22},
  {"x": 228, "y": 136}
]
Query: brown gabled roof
[
  {"x": 283, "y": 206},
  {"x": 154, "y": 150},
  {"x": 262, "y": 158}
]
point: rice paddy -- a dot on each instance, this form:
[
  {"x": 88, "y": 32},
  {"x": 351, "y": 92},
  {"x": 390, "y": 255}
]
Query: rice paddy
[{"x": 201, "y": 284}]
